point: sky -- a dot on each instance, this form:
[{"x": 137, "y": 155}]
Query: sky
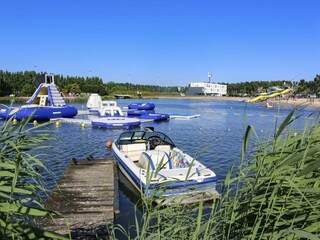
[{"x": 163, "y": 42}]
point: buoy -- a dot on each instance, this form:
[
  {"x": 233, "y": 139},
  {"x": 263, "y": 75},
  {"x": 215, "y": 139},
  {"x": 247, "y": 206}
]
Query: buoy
[
  {"x": 35, "y": 122},
  {"x": 57, "y": 124},
  {"x": 109, "y": 144},
  {"x": 83, "y": 125},
  {"x": 14, "y": 121}
]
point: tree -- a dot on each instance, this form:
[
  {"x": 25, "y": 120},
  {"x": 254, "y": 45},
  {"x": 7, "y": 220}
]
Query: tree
[
  {"x": 27, "y": 89},
  {"x": 317, "y": 84},
  {"x": 5, "y": 88},
  {"x": 72, "y": 88}
]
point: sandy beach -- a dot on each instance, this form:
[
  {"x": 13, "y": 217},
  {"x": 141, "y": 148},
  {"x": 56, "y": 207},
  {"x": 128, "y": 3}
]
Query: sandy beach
[{"x": 297, "y": 101}]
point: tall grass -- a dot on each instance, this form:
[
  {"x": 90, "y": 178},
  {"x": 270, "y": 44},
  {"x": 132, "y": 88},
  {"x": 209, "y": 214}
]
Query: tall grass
[
  {"x": 273, "y": 194},
  {"x": 21, "y": 182}
]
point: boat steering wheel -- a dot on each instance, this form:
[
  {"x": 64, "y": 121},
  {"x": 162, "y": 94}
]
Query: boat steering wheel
[{"x": 154, "y": 141}]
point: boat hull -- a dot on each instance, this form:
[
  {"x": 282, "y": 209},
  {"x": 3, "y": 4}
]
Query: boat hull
[{"x": 167, "y": 192}]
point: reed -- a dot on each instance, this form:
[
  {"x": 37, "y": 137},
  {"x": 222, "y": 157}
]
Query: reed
[
  {"x": 21, "y": 182},
  {"x": 274, "y": 193}
]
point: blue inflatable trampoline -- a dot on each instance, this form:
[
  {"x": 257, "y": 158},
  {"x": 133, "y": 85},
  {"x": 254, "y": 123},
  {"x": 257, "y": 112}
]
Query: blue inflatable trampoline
[
  {"x": 156, "y": 116},
  {"x": 142, "y": 106},
  {"x": 136, "y": 112}
]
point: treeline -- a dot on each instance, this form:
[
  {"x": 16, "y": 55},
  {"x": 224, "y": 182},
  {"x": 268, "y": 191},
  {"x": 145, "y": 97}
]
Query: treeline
[
  {"x": 25, "y": 83},
  {"x": 251, "y": 88}
]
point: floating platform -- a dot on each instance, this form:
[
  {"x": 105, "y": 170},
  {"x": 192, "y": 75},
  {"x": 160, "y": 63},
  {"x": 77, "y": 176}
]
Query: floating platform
[
  {"x": 136, "y": 112},
  {"x": 183, "y": 116},
  {"x": 86, "y": 196},
  {"x": 156, "y": 116},
  {"x": 88, "y": 122},
  {"x": 73, "y": 120},
  {"x": 116, "y": 122},
  {"x": 85, "y": 112}
]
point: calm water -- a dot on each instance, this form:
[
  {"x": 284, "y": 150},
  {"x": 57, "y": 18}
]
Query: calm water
[{"x": 215, "y": 138}]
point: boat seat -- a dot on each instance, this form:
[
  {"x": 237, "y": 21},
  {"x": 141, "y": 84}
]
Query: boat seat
[
  {"x": 155, "y": 158},
  {"x": 134, "y": 150},
  {"x": 179, "y": 159},
  {"x": 165, "y": 148}
]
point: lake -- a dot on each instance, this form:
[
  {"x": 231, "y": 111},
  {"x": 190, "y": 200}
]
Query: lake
[{"x": 215, "y": 138}]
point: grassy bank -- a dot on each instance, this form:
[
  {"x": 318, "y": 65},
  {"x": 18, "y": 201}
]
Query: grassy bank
[{"x": 21, "y": 182}]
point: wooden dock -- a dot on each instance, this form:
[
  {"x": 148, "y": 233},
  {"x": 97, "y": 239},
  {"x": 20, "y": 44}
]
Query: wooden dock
[{"x": 86, "y": 196}]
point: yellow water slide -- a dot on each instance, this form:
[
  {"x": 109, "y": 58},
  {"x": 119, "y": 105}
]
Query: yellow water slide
[{"x": 272, "y": 95}]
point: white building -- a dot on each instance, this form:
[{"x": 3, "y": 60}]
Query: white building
[{"x": 207, "y": 89}]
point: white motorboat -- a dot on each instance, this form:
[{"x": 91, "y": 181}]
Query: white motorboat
[{"x": 158, "y": 169}]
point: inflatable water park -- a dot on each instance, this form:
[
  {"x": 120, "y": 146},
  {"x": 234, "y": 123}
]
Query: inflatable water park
[
  {"x": 46, "y": 103},
  {"x": 274, "y": 92},
  {"x": 108, "y": 114},
  {"x": 146, "y": 111},
  {"x": 111, "y": 115}
]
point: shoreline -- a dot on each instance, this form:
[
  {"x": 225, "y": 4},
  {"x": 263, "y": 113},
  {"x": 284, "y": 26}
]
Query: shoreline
[
  {"x": 313, "y": 102},
  {"x": 292, "y": 101}
]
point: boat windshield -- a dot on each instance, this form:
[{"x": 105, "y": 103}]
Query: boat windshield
[{"x": 141, "y": 136}]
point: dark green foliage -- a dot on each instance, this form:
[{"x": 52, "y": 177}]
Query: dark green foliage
[
  {"x": 27, "y": 89},
  {"x": 20, "y": 83},
  {"x": 251, "y": 88}
]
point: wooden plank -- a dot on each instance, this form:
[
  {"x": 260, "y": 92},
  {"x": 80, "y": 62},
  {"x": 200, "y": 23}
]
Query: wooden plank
[
  {"x": 86, "y": 196},
  {"x": 116, "y": 189}
]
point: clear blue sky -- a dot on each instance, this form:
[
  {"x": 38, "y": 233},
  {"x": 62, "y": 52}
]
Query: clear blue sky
[{"x": 163, "y": 42}]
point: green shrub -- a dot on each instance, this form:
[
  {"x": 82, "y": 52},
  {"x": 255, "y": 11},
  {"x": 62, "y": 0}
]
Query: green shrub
[{"x": 20, "y": 182}]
